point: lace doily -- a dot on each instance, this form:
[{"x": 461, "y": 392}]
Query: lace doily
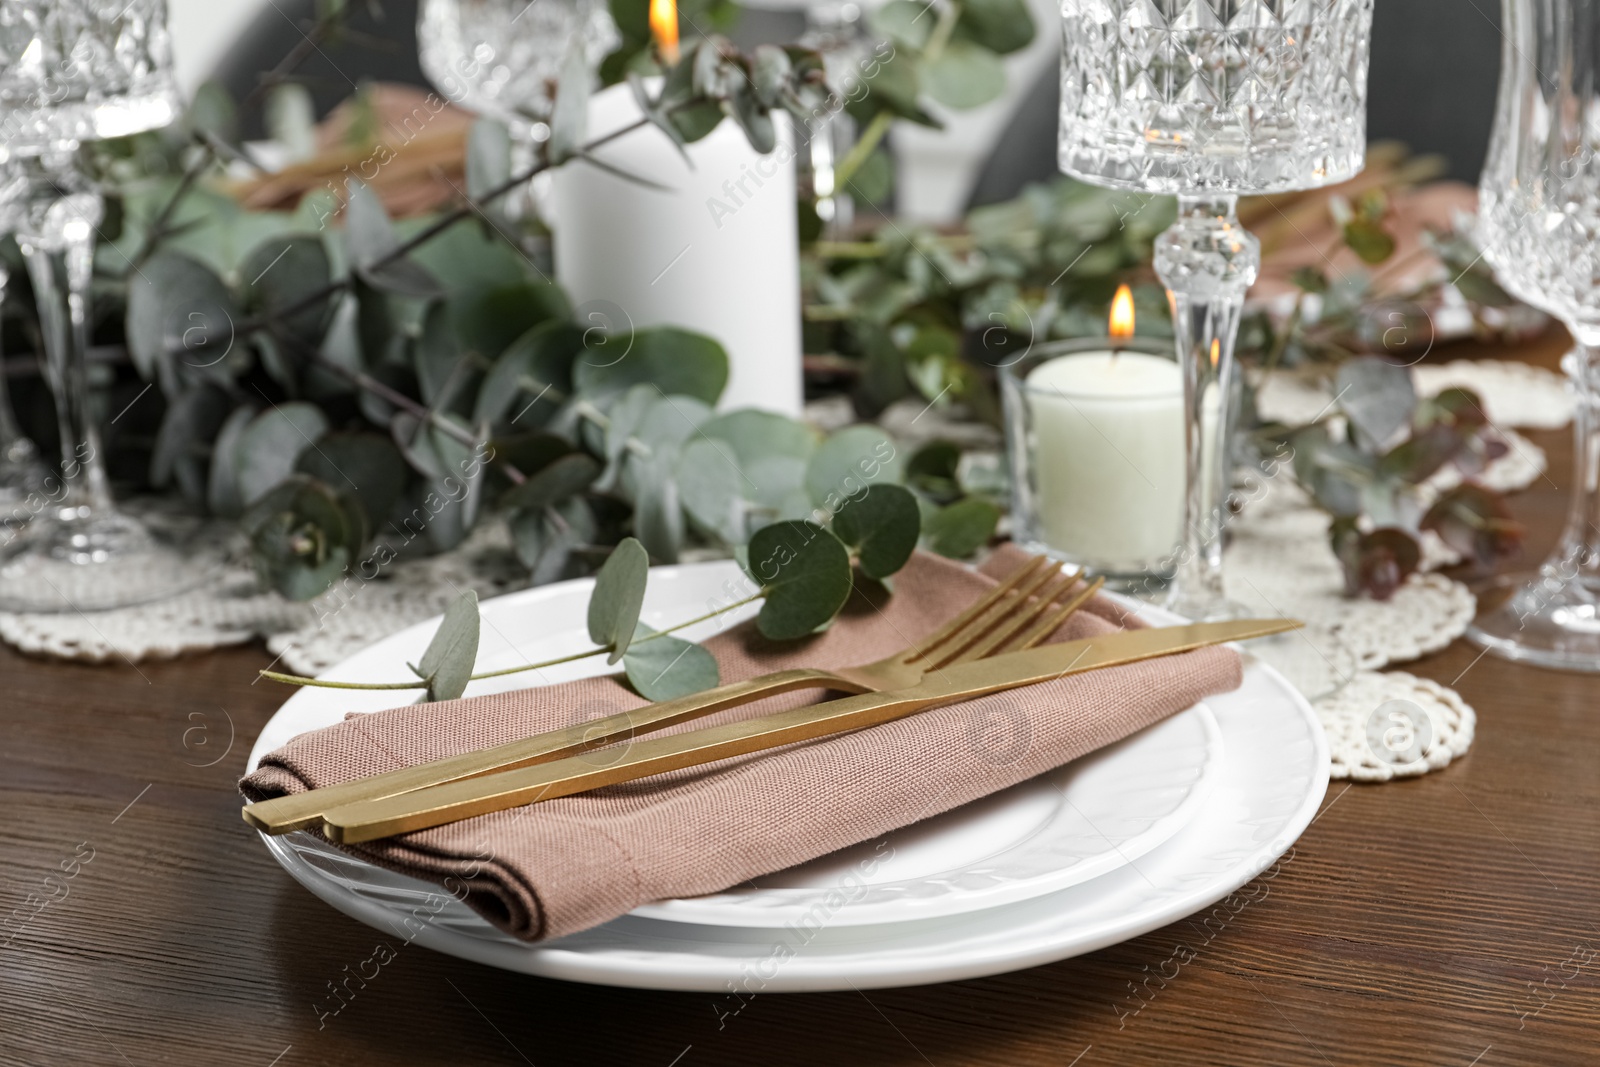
[
  {"x": 307, "y": 638},
  {"x": 1513, "y": 394},
  {"x": 1394, "y": 725}
]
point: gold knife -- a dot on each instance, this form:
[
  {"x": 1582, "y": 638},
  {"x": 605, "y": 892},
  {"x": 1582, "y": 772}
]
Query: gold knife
[{"x": 440, "y": 804}]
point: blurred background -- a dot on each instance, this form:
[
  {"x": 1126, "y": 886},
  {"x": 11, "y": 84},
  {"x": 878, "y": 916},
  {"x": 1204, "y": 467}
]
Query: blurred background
[{"x": 1432, "y": 85}]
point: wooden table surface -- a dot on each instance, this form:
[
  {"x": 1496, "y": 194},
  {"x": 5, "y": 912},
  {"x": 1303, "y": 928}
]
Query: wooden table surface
[{"x": 1446, "y": 920}]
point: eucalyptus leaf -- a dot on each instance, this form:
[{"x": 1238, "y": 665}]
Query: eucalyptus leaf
[
  {"x": 777, "y": 484},
  {"x": 439, "y": 363},
  {"x": 467, "y": 261},
  {"x": 189, "y": 424},
  {"x": 756, "y": 434},
  {"x": 847, "y": 462},
  {"x": 269, "y": 446},
  {"x": 892, "y": 85},
  {"x": 282, "y": 271},
  {"x": 1369, "y": 240},
  {"x": 657, "y": 510},
  {"x": 874, "y": 180},
  {"x": 695, "y": 121},
  {"x": 962, "y": 528},
  {"x": 770, "y": 68},
  {"x": 676, "y": 361},
  {"x": 1377, "y": 396},
  {"x": 222, "y": 489},
  {"x": 882, "y": 524},
  {"x": 446, "y": 665},
  {"x": 623, "y": 417},
  {"x": 370, "y": 241},
  {"x": 368, "y": 463},
  {"x": 932, "y": 471},
  {"x": 666, "y": 667},
  {"x": 804, "y": 574},
  {"x": 1002, "y": 26},
  {"x": 545, "y": 538},
  {"x": 753, "y": 119},
  {"x": 300, "y": 537},
  {"x": 906, "y": 22},
  {"x": 709, "y": 478},
  {"x": 668, "y": 422},
  {"x": 964, "y": 75},
  {"x": 617, "y": 597},
  {"x": 531, "y": 378},
  {"x": 489, "y": 320},
  {"x": 179, "y": 313},
  {"x": 567, "y": 476}
]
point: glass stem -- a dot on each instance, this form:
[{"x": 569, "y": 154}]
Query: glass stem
[
  {"x": 1577, "y": 556},
  {"x": 60, "y": 261},
  {"x": 1207, "y": 261},
  {"x": 833, "y": 29},
  {"x": 10, "y": 433}
]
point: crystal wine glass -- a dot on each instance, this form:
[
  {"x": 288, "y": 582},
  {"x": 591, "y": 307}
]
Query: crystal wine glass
[
  {"x": 1210, "y": 100},
  {"x": 501, "y": 58},
  {"x": 73, "y": 71},
  {"x": 1539, "y": 224}
]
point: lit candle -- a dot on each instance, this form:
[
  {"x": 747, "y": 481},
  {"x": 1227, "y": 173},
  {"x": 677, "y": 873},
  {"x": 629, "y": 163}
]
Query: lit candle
[
  {"x": 717, "y": 252},
  {"x": 1109, "y": 452}
]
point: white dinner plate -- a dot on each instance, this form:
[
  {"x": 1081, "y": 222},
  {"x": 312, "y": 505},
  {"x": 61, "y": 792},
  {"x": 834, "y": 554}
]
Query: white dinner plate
[
  {"x": 1273, "y": 775},
  {"x": 1064, "y": 827}
]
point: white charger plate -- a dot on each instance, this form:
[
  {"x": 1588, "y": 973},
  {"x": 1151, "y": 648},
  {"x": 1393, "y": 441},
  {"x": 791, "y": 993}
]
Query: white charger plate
[{"x": 1274, "y": 775}]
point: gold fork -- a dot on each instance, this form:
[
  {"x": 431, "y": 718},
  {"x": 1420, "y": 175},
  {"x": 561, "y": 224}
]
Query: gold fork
[{"x": 1017, "y": 614}]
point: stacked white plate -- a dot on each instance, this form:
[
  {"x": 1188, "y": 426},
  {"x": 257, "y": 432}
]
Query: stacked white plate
[{"x": 1115, "y": 844}]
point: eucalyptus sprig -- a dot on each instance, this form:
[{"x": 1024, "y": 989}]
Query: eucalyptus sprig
[
  {"x": 802, "y": 572},
  {"x": 1369, "y": 462}
]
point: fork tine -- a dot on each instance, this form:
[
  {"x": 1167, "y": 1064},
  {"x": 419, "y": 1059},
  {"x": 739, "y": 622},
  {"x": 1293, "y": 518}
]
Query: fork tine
[
  {"x": 1049, "y": 624},
  {"x": 995, "y": 609},
  {"x": 1022, "y": 615},
  {"x": 982, "y": 604}
]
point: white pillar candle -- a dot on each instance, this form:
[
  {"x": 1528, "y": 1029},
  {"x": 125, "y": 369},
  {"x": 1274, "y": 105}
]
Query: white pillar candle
[
  {"x": 718, "y": 253},
  {"x": 1109, "y": 470}
]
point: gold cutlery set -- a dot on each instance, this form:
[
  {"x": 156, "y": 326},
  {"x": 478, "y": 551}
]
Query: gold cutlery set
[{"x": 992, "y": 646}]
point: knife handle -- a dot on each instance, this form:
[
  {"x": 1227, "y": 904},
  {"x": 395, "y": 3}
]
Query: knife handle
[{"x": 297, "y": 811}]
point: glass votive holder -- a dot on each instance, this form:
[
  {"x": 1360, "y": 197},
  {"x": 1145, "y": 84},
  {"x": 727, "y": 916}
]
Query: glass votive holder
[{"x": 1094, "y": 436}]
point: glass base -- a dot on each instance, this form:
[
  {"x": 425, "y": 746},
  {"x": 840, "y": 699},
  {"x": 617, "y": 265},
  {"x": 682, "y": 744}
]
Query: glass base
[
  {"x": 22, "y": 478},
  {"x": 1541, "y": 618},
  {"x": 73, "y": 560}
]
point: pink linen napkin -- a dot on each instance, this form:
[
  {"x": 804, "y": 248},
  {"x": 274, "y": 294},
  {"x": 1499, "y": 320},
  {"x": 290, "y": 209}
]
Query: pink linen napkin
[{"x": 564, "y": 865}]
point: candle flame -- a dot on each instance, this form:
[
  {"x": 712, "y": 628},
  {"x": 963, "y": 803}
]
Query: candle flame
[
  {"x": 664, "y": 28},
  {"x": 1216, "y": 352},
  {"x": 1122, "y": 313}
]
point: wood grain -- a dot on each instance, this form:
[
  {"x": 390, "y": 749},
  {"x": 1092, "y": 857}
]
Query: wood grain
[{"x": 1445, "y": 920}]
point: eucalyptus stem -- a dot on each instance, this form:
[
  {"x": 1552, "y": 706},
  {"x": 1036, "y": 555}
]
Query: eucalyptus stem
[
  {"x": 158, "y": 226},
  {"x": 862, "y": 149},
  {"x": 879, "y": 126},
  {"x": 585, "y": 410},
  {"x": 385, "y": 392},
  {"x": 324, "y": 683},
  {"x": 428, "y": 233}
]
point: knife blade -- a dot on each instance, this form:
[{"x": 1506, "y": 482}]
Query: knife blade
[{"x": 437, "y": 805}]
